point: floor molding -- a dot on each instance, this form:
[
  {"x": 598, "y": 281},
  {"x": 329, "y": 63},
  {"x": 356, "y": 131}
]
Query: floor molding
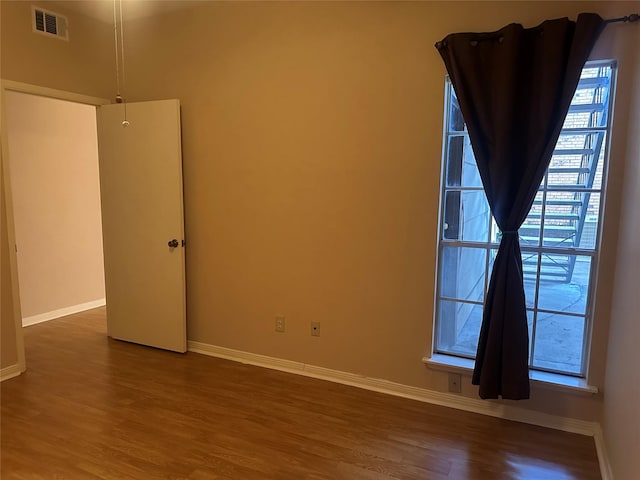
[
  {"x": 484, "y": 407},
  {"x": 603, "y": 459},
  {"x": 10, "y": 372},
  {"x": 62, "y": 312}
]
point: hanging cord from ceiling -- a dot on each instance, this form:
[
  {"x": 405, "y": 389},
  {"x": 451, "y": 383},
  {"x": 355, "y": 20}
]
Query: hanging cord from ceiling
[{"x": 119, "y": 57}]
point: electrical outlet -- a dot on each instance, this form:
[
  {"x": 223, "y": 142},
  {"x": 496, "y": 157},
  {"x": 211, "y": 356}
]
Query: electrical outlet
[
  {"x": 454, "y": 383},
  {"x": 280, "y": 323},
  {"x": 315, "y": 329}
]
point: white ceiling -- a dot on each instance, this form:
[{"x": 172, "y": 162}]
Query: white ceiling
[{"x": 102, "y": 10}]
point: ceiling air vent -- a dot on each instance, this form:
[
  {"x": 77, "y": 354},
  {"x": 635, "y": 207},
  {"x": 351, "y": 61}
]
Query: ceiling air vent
[{"x": 49, "y": 23}]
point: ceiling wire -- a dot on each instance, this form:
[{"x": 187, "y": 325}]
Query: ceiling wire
[
  {"x": 115, "y": 37},
  {"x": 119, "y": 57},
  {"x": 125, "y": 122}
]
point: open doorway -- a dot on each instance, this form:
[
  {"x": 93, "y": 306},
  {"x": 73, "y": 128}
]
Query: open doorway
[
  {"x": 142, "y": 222},
  {"x": 53, "y": 157}
]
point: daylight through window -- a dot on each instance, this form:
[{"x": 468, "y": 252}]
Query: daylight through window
[{"x": 559, "y": 238}]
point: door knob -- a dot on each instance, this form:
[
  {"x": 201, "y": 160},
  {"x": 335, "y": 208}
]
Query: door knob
[{"x": 173, "y": 243}]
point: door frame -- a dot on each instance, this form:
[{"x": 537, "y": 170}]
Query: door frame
[{"x": 13, "y": 86}]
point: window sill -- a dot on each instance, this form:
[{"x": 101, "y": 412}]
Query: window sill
[{"x": 554, "y": 381}]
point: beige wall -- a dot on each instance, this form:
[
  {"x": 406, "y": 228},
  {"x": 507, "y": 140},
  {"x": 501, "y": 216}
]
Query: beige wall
[
  {"x": 618, "y": 42},
  {"x": 84, "y": 64},
  {"x": 621, "y": 420},
  {"x": 8, "y": 350},
  {"x": 312, "y": 147},
  {"x": 53, "y": 157}
]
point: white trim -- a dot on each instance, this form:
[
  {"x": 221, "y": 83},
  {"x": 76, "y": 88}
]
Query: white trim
[
  {"x": 7, "y": 204},
  {"x": 556, "y": 381},
  {"x": 484, "y": 407},
  {"x": 20, "y": 87},
  {"x": 10, "y": 372},
  {"x": 603, "y": 459},
  {"x": 551, "y": 381},
  {"x": 62, "y": 312},
  {"x": 5, "y": 86}
]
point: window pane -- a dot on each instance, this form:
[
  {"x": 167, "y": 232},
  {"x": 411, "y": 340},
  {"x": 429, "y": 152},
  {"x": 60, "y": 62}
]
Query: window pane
[
  {"x": 565, "y": 215},
  {"x": 530, "y": 329},
  {"x": 496, "y": 235},
  {"x": 590, "y": 101},
  {"x": 466, "y": 216},
  {"x": 529, "y": 232},
  {"x": 459, "y": 327},
  {"x": 577, "y": 119},
  {"x": 599, "y": 143},
  {"x": 578, "y": 160},
  {"x": 475, "y": 211},
  {"x": 589, "y": 230},
  {"x": 564, "y": 283},
  {"x": 530, "y": 268},
  {"x": 530, "y": 265},
  {"x": 558, "y": 342},
  {"x": 451, "y": 224},
  {"x": 462, "y": 272},
  {"x": 462, "y": 169},
  {"x": 560, "y": 230},
  {"x": 568, "y": 166},
  {"x": 454, "y": 160},
  {"x": 456, "y": 122}
]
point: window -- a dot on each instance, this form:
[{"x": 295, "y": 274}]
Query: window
[{"x": 559, "y": 239}]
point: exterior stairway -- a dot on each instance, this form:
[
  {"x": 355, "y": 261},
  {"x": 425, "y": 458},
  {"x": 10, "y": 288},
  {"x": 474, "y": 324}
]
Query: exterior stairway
[{"x": 567, "y": 190}]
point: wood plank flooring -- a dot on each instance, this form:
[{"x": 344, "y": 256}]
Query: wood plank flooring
[{"x": 93, "y": 408}]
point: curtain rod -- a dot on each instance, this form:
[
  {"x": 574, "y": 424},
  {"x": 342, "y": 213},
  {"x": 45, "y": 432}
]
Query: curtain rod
[{"x": 634, "y": 17}]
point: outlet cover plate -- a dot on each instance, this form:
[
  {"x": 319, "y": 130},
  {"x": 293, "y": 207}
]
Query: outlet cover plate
[
  {"x": 280, "y": 325},
  {"x": 315, "y": 329},
  {"x": 454, "y": 383}
]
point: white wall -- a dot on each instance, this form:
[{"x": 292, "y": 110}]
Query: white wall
[{"x": 53, "y": 157}]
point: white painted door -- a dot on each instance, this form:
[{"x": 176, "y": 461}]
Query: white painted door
[{"x": 142, "y": 223}]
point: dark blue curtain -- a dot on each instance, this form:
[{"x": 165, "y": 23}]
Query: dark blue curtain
[{"x": 514, "y": 87}]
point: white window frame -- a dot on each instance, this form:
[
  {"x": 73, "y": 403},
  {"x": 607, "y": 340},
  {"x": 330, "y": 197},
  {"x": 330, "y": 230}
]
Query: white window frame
[{"x": 458, "y": 359}]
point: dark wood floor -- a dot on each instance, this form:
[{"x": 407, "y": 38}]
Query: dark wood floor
[{"x": 91, "y": 407}]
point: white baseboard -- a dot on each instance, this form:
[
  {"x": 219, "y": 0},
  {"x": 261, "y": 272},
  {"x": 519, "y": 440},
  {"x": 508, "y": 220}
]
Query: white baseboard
[
  {"x": 603, "y": 459},
  {"x": 62, "y": 312},
  {"x": 484, "y": 407},
  {"x": 9, "y": 372}
]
